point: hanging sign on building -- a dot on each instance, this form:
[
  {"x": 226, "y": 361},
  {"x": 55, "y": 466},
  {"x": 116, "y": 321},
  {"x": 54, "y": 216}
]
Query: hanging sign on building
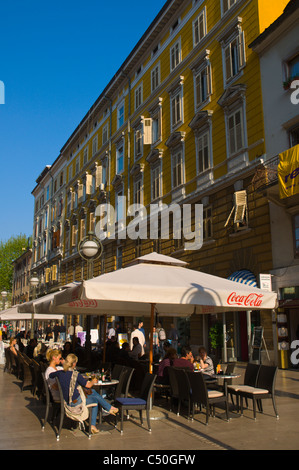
[
  {"x": 265, "y": 282},
  {"x": 288, "y": 172}
]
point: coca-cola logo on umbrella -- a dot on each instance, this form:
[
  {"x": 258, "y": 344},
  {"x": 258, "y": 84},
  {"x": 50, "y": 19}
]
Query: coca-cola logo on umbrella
[{"x": 250, "y": 300}]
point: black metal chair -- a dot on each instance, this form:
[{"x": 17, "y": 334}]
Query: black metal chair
[
  {"x": 138, "y": 403},
  {"x": 265, "y": 388},
  {"x": 116, "y": 371},
  {"x": 129, "y": 371},
  {"x": 203, "y": 397},
  {"x": 184, "y": 389},
  {"x": 8, "y": 364},
  {"x": 174, "y": 386},
  {"x": 250, "y": 379},
  {"x": 26, "y": 373},
  {"x": 230, "y": 368},
  {"x": 62, "y": 414},
  {"x": 50, "y": 403}
]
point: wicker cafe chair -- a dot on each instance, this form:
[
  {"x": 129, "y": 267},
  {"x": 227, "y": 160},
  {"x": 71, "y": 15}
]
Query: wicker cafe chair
[
  {"x": 265, "y": 388},
  {"x": 140, "y": 403},
  {"x": 185, "y": 395},
  {"x": 8, "y": 364},
  {"x": 174, "y": 386},
  {"x": 250, "y": 379},
  {"x": 204, "y": 397},
  {"x": 62, "y": 413},
  {"x": 50, "y": 403}
]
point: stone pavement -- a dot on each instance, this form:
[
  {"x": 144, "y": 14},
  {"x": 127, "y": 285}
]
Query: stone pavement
[{"x": 21, "y": 416}]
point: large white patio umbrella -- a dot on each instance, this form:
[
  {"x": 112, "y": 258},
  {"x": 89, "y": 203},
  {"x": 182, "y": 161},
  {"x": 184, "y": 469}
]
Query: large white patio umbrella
[
  {"x": 157, "y": 283},
  {"x": 12, "y": 314}
]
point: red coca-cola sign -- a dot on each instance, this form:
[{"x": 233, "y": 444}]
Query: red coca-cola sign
[{"x": 250, "y": 300}]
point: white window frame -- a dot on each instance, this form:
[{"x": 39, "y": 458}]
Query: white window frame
[
  {"x": 94, "y": 145},
  {"x": 138, "y": 96},
  {"x": 120, "y": 115},
  {"x": 85, "y": 156},
  {"x": 176, "y": 108},
  {"x": 203, "y": 141},
  {"x": 156, "y": 181},
  {"x": 226, "y": 5},
  {"x": 175, "y": 55},
  {"x": 177, "y": 167},
  {"x": 234, "y": 133},
  {"x": 120, "y": 156},
  {"x": 105, "y": 133},
  {"x": 207, "y": 223},
  {"x": 199, "y": 27},
  {"x": 155, "y": 77},
  {"x": 202, "y": 76},
  {"x": 138, "y": 142},
  {"x": 138, "y": 190},
  {"x": 233, "y": 55}
]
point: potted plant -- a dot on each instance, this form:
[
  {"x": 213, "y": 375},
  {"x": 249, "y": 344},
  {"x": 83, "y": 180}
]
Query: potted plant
[{"x": 216, "y": 338}]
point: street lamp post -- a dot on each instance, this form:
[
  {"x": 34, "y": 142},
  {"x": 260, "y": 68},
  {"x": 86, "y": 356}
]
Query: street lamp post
[
  {"x": 4, "y": 296},
  {"x": 90, "y": 249},
  {"x": 34, "y": 281}
]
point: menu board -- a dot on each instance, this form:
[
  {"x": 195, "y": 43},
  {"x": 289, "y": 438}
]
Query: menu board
[{"x": 257, "y": 342}]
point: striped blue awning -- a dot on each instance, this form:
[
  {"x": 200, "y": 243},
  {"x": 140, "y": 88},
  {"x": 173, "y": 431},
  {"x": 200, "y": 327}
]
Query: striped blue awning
[{"x": 244, "y": 277}]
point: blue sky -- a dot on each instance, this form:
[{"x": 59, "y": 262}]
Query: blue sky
[{"x": 55, "y": 59}]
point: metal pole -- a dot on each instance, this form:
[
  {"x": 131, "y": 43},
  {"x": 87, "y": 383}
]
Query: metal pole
[{"x": 151, "y": 355}]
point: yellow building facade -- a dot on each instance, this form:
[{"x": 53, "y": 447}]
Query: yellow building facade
[{"x": 181, "y": 122}]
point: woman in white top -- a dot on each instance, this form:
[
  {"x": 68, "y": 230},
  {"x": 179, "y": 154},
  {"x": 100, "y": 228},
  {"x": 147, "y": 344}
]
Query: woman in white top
[{"x": 54, "y": 358}]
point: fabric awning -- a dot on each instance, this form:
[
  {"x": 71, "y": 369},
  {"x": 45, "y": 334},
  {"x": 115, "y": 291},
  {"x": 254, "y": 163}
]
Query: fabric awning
[{"x": 244, "y": 276}]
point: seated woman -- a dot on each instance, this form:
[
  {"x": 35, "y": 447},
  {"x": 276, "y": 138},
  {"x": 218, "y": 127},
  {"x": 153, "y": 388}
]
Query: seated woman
[
  {"x": 13, "y": 346},
  {"x": 169, "y": 357},
  {"x": 55, "y": 360},
  {"x": 67, "y": 349},
  {"x": 205, "y": 361},
  {"x": 65, "y": 377}
]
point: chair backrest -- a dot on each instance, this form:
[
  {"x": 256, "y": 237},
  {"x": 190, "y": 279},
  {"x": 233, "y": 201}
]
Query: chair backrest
[
  {"x": 46, "y": 389},
  {"x": 61, "y": 398},
  {"x": 147, "y": 386},
  {"x": 230, "y": 368},
  {"x": 7, "y": 358},
  {"x": 198, "y": 388},
  {"x": 116, "y": 371},
  {"x": 183, "y": 383},
  {"x": 174, "y": 386},
  {"x": 119, "y": 386},
  {"x": 129, "y": 371},
  {"x": 267, "y": 377},
  {"x": 251, "y": 374}
]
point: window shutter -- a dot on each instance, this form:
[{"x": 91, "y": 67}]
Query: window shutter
[
  {"x": 228, "y": 64},
  {"x": 54, "y": 272},
  {"x": 48, "y": 270},
  {"x": 241, "y": 49},
  {"x": 147, "y": 131},
  {"x": 240, "y": 198}
]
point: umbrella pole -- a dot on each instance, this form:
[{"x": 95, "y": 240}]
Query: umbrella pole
[
  {"x": 151, "y": 356},
  {"x": 104, "y": 338}
]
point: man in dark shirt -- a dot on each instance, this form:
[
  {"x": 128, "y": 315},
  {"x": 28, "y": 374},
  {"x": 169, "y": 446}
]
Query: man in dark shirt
[{"x": 186, "y": 359}]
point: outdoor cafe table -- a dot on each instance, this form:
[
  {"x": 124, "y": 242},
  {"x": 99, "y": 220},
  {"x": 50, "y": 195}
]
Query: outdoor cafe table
[
  {"x": 225, "y": 378},
  {"x": 100, "y": 384}
]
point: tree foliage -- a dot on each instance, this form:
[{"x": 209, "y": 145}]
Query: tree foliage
[{"x": 9, "y": 251}]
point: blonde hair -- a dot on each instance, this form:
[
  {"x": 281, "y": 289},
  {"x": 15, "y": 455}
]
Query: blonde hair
[
  {"x": 52, "y": 353},
  {"x": 69, "y": 361},
  {"x": 11, "y": 340}
]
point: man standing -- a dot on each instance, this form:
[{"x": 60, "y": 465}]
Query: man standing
[
  {"x": 137, "y": 333},
  {"x": 173, "y": 336}
]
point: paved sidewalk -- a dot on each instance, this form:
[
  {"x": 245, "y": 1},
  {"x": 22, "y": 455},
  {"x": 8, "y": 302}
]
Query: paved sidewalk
[{"x": 21, "y": 416}]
